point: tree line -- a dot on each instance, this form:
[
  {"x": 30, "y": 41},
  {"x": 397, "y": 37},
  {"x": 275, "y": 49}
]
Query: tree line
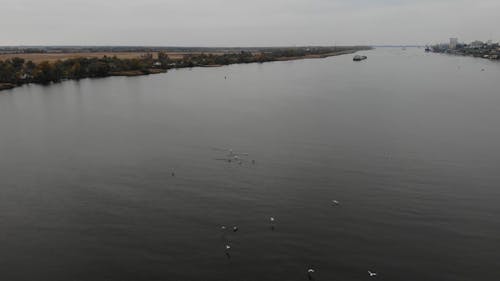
[{"x": 19, "y": 71}]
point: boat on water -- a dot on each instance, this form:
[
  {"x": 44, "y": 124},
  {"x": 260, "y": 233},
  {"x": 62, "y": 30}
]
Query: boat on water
[
  {"x": 359, "y": 58},
  {"x": 427, "y": 49}
]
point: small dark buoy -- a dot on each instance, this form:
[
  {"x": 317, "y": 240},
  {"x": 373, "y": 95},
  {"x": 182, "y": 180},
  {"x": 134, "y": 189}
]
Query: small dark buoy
[
  {"x": 253, "y": 162},
  {"x": 173, "y": 174}
]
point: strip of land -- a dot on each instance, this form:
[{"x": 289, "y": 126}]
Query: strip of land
[
  {"x": 478, "y": 49},
  {"x": 53, "y": 57},
  {"x": 20, "y": 66}
]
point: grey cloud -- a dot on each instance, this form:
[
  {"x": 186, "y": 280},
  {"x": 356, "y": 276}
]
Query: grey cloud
[{"x": 243, "y": 23}]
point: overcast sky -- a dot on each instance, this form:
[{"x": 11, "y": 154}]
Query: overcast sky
[{"x": 246, "y": 23}]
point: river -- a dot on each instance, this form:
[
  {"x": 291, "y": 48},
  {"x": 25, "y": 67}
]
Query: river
[{"x": 118, "y": 179}]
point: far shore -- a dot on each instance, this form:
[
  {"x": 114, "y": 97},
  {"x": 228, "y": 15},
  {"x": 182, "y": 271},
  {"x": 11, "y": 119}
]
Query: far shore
[
  {"x": 46, "y": 68},
  {"x": 318, "y": 56},
  {"x": 52, "y": 57}
]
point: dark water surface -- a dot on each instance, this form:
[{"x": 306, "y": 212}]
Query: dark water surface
[{"x": 408, "y": 142}]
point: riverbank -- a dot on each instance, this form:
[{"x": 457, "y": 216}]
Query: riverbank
[
  {"x": 476, "y": 49},
  {"x": 16, "y": 71},
  {"x": 318, "y": 56},
  {"x": 6, "y": 86}
]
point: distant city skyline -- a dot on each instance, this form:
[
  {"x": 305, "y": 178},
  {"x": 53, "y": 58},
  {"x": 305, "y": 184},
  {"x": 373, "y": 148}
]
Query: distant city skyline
[{"x": 247, "y": 23}]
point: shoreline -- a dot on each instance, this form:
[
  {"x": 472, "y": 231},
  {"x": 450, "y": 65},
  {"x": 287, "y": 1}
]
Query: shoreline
[
  {"x": 7, "y": 86},
  {"x": 318, "y": 56},
  {"x": 476, "y": 49},
  {"x": 133, "y": 73},
  {"x": 494, "y": 58}
]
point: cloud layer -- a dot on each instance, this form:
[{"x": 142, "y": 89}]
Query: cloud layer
[{"x": 246, "y": 23}]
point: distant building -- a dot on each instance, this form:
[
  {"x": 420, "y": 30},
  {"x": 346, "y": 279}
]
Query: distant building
[
  {"x": 476, "y": 44},
  {"x": 453, "y": 43}
]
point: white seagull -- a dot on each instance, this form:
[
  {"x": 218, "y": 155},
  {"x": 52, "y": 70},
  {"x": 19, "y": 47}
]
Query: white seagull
[
  {"x": 372, "y": 274},
  {"x": 335, "y": 202},
  {"x": 310, "y": 273},
  {"x": 271, "y": 219}
]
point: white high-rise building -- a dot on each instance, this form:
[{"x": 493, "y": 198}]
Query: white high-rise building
[{"x": 453, "y": 43}]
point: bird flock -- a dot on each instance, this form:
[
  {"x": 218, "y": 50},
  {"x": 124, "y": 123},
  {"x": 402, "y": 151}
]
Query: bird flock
[
  {"x": 232, "y": 156},
  {"x": 239, "y": 158}
]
